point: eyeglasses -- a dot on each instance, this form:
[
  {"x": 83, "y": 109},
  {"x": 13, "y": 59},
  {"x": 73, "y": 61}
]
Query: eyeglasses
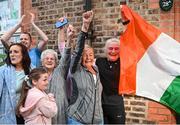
[
  {"x": 51, "y": 59},
  {"x": 113, "y": 48}
]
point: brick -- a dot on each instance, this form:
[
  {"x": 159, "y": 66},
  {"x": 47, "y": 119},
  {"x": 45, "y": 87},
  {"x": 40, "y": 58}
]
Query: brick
[
  {"x": 138, "y": 109},
  {"x": 98, "y": 45},
  {"x": 70, "y": 9},
  {"x": 137, "y": 103},
  {"x": 148, "y": 122},
  {"x": 78, "y": 3},
  {"x": 155, "y": 105},
  {"x": 135, "y": 120},
  {"x": 153, "y": 1},
  {"x": 58, "y": 5},
  {"x": 167, "y": 16},
  {"x": 158, "y": 117},
  {"x": 153, "y": 11},
  {"x": 153, "y": 5},
  {"x": 35, "y": 4},
  {"x": 164, "y": 111},
  {"x": 139, "y": 115},
  {"x": 152, "y": 110},
  {"x": 127, "y": 108},
  {"x": 167, "y": 24}
]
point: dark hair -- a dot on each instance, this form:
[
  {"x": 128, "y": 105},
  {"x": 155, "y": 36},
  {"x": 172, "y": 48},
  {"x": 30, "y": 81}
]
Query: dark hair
[
  {"x": 35, "y": 74},
  {"x": 28, "y": 35},
  {"x": 26, "y": 61}
]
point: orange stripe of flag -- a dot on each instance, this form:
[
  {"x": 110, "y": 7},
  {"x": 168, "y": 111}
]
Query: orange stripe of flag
[{"x": 138, "y": 36}]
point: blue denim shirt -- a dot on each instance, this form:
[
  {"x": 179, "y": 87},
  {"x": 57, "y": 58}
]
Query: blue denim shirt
[{"x": 7, "y": 95}]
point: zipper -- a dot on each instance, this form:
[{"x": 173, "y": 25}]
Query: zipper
[{"x": 94, "y": 101}]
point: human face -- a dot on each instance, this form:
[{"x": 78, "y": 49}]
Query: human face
[
  {"x": 112, "y": 51},
  {"x": 15, "y": 54},
  {"x": 42, "y": 82},
  {"x": 88, "y": 57},
  {"x": 25, "y": 40},
  {"x": 49, "y": 61}
]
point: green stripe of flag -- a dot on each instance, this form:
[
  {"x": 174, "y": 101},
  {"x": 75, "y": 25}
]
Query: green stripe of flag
[{"x": 171, "y": 96}]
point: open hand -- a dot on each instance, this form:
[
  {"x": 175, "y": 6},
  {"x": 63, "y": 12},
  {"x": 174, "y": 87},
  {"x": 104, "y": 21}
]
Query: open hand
[
  {"x": 21, "y": 20},
  {"x": 32, "y": 17}
]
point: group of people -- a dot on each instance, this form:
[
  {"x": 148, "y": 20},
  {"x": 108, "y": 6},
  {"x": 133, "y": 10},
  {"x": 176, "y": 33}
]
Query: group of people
[{"x": 37, "y": 88}]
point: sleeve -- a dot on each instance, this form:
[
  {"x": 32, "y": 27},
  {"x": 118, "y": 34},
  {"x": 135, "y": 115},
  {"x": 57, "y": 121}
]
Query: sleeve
[
  {"x": 5, "y": 44},
  {"x": 65, "y": 61},
  {"x": 75, "y": 60},
  {"x": 47, "y": 107},
  {"x": 1, "y": 80}
]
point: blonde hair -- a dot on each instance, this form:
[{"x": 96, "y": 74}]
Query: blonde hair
[
  {"x": 49, "y": 51},
  {"x": 86, "y": 46}
]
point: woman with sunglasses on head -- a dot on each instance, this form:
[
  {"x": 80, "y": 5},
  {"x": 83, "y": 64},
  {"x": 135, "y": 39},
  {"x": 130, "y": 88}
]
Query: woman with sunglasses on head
[
  {"x": 12, "y": 75},
  {"x": 109, "y": 70}
]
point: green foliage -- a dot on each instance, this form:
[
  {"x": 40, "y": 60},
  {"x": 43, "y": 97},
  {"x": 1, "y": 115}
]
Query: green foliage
[{"x": 2, "y": 57}]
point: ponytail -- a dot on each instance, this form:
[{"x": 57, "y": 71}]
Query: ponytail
[{"x": 24, "y": 91}]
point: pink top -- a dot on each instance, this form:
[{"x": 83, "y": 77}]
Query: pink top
[{"x": 39, "y": 107}]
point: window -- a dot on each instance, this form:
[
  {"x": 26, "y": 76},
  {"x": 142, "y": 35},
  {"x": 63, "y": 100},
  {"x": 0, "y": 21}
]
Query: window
[{"x": 10, "y": 13}]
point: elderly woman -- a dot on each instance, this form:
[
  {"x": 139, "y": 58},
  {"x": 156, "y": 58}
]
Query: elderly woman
[
  {"x": 57, "y": 75},
  {"x": 11, "y": 77},
  {"x": 109, "y": 69},
  {"x": 85, "y": 102}
]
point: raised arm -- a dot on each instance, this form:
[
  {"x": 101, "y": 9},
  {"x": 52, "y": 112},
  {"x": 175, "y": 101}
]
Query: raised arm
[
  {"x": 66, "y": 55},
  {"x": 87, "y": 18},
  {"x": 6, "y": 36},
  {"x": 44, "y": 40},
  {"x": 61, "y": 37}
]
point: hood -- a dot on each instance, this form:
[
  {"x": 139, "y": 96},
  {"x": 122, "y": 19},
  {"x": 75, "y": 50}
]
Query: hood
[{"x": 33, "y": 96}]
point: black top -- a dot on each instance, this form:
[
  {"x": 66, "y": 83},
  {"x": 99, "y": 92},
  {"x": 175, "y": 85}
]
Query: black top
[{"x": 109, "y": 76}]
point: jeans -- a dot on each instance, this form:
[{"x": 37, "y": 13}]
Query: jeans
[{"x": 72, "y": 121}]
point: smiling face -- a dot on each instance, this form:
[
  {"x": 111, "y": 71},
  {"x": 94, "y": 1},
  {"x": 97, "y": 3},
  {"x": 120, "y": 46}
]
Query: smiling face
[
  {"x": 112, "y": 51},
  {"x": 25, "y": 40},
  {"x": 15, "y": 54},
  {"x": 42, "y": 82},
  {"x": 49, "y": 61},
  {"x": 88, "y": 57}
]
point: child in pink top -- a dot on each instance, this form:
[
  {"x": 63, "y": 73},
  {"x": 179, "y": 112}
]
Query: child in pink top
[{"x": 35, "y": 105}]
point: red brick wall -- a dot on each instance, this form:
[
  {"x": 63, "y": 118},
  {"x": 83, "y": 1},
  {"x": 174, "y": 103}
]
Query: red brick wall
[
  {"x": 160, "y": 114},
  {"x": 104, "y": 25}
]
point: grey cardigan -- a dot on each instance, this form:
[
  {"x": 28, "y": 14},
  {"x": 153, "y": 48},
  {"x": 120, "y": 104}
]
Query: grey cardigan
[
  {"x": 85, "y": 102},
  {"x": 57, "y": 86}
]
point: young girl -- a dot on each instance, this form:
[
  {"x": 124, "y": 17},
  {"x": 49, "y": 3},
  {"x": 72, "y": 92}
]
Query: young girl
[{"x": 35, "y": 105}]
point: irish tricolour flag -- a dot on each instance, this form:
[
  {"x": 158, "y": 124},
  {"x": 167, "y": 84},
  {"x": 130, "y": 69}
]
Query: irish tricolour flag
[{"x": 150, "y": 62}]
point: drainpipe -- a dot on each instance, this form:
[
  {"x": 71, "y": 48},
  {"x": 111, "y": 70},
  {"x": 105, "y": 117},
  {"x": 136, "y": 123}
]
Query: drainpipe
[{"x": 87, "y": 7}]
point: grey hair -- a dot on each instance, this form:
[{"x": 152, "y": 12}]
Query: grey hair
[
  {"x": 49, "y": 51},
  {"x": 111, "y": 40}
]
